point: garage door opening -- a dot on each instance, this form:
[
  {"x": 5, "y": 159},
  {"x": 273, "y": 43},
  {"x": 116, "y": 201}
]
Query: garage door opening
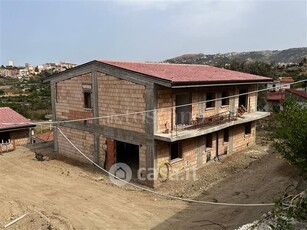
[{"x": 128, "y": 154}]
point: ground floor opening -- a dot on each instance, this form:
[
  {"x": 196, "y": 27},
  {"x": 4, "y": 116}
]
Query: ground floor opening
[
  {"x": 4, "y": 137},
  {"x": 129, "y": 154}
]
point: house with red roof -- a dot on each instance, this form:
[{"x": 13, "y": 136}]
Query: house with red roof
[
  {"x": 280, "y": 84},
  {"x": 15, "y": 129},
  {"x": 300, "y": 96},
  {"x": 154, "y": 116}
]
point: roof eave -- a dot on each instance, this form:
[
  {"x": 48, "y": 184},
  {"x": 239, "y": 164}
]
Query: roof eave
[
  {"x": 217, "y": 83},
  {"x": 17, "y": 128}
]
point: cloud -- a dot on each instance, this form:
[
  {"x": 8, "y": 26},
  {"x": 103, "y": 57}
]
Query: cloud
[{"x": 210, "y": 18}]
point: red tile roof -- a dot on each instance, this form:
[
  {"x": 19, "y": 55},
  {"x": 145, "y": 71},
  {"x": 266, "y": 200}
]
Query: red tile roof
[
  {"x": 298, "y": 92},
  {"x": 185, "y": 73},
  {"x": 275, "y": 96},
  {"x": 45, "y": 136},
  {"x": 286, "y": 80},
  {"x": 11, "y": 119}
]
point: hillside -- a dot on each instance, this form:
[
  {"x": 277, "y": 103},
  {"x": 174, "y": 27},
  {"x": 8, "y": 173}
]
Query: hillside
[{"x": 293, "y": 55}]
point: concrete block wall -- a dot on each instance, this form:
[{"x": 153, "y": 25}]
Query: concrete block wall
[
  {"x": 240, "y": 140},
  {"x": 117, "y": 96},
  {"x": 70, "y": 98},
  {"x": 252, "y": 99},
  {"x": 82, "y": 139},
  {"x": 103, "y": 150},
  {"x": 190, "y": 150},
  {"x": 165, "y": 113},
  {"x": 20, "y": 137},
  {"x": 166, "y": 116}
]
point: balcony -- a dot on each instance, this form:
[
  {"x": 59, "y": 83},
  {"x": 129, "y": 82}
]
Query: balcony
[{"x": 202, "y": 126}]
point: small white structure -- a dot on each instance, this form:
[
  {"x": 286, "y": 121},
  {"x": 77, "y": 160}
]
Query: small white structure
[{"x": 281, "y": 83}]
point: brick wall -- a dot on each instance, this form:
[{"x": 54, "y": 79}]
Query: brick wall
[
  {"x": 82, "y": 139},
  {"x": 252, "y": 99},
  {"x": 166, "y": 116},
  {"x": 117, "y": 96},
  {"x": 165, "y": 113},
  {"x": 70, "y": 98},
  {"x": 240, "y": 140},
  {"x": 190, "y": 150}
]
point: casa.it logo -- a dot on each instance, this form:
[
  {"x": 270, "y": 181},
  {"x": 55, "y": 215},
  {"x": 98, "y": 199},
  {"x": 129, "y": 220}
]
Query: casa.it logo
[{"x": 120, "y": 174}]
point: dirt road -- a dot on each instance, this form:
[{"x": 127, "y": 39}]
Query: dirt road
[{"x": 57, "y": 195}]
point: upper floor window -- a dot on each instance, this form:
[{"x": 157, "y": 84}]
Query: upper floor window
[
  {"x": 243, "y": 97},
  {"x": 210, "y": 103},
  {"x": 87, "y": 96},
  {"x": 225, "y": 99}
]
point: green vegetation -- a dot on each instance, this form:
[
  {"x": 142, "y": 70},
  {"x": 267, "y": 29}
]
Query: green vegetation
[
  {"x": 289, "y": 132},
  {"x": 31, "y": 97},
  {"x": 296, "y": 71}
]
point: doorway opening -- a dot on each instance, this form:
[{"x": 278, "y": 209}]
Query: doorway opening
[
  {"x": 4, "y": 137},
  {"x": 129, "y": 154},
  {"x": 243, "y": 98}
]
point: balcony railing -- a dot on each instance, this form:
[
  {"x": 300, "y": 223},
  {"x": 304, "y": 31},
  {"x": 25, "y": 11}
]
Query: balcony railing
[{"x": 213, "y": 120}]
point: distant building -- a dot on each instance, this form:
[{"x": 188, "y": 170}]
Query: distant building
[
  {"x": 274, "y": 101},
  {"x": 23, "y": 72},
  {"x": 9, "y": 72},
  {"x": 299, "y": 95},
  {"x": 15, "y": 129},
  {"x": 276, "y": 95},
  {"x": 281, "y": 83},
  {"x": 11, "y": 63}
]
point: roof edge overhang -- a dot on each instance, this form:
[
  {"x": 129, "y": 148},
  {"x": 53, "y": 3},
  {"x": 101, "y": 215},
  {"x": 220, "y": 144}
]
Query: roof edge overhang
[
  {"x": 99, "y": 65},
  {"x": 218, "y": 83},
  {"x": 68, "y": 71},
  {"x": 15, "y": 128}
]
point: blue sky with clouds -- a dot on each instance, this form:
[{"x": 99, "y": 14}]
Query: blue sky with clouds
[{"x": 42, "y": 31}]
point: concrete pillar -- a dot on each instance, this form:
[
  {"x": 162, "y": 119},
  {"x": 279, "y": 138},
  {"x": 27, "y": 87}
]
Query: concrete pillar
[
  {"x": 54, "y": 118},
  {"x": 95, "y": 98}
]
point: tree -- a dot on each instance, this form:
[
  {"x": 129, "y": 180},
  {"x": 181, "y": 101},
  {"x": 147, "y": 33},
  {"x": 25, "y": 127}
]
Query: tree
[
  {"x": 289, "y": 128},
  {"x": 290, "y": 135}
]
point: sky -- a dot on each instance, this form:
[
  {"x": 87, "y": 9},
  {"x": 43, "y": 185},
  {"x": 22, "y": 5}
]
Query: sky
[{"x": 41, "y": 31}]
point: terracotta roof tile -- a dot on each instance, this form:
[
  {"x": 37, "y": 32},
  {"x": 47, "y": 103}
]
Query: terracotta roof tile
[
  {"x": 286, "y": 80},
  {"x": 298, "y": 92},
  {"x": 45, "y": 136},
  {"x": 275, "y": 96},
  {"x": 185, "y": 73},
  {"x": 11, "y": 119}
]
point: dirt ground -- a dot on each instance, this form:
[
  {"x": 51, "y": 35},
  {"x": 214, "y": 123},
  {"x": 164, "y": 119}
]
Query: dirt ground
[{"x": 57, "y": 194}]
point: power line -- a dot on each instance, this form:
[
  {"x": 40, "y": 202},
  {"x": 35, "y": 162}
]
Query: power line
[
  {"x": 154, "y": 110},
  {"x": 157, "y": 193}
]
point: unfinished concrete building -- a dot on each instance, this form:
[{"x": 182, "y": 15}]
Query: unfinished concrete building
[{"x": 186, "y": 123}]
